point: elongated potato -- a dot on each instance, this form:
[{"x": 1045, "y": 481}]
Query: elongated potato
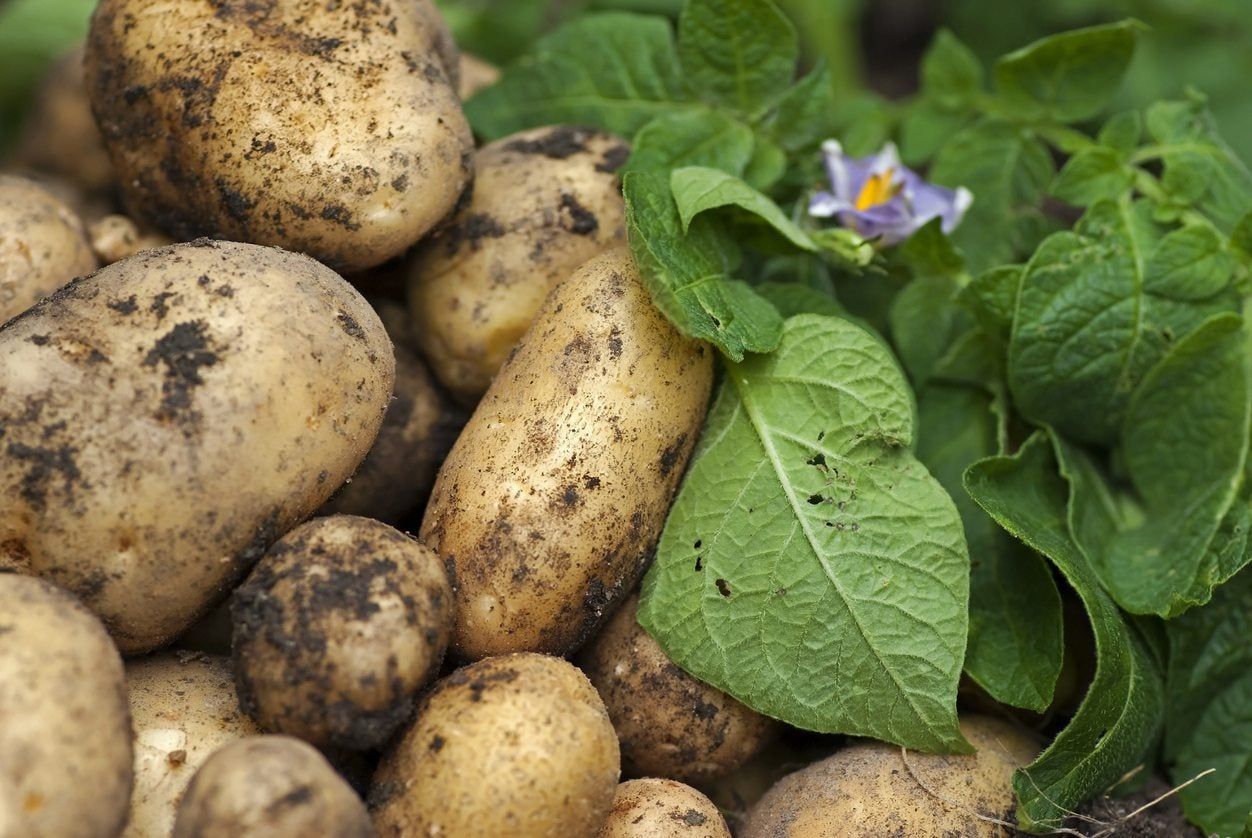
[
  {"x": 42, "y": 245},
  {"x": 652, "y": 808},
  {"x": 553, "y": 496},
  {"x": 169, "y": 417},
  {"x": 333, "y": 129},
  {"x": 65, "y": 749},
  {"x": 544, "y": 202}
]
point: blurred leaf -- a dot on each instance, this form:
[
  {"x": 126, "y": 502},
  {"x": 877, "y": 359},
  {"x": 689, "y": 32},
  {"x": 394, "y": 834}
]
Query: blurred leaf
[
  {"x": 950, "y": 71},
  {"x": 698, "y": 137},
  {"x": 738, "y": 53}
]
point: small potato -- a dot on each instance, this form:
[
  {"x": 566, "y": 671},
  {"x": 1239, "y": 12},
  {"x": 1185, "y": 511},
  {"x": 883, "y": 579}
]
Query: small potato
[
  {"x": 662, "y": 809},
  {"x": 42, "y": 245},
  {"x": 518, "y": 745},
  {"x": 270, "y": 787},
  {"x": 116, "y": 237},
  {"x": 868, "y": 790},
  {"x": 544, "y": 202},
  {"x": 65, "y": 749},
  {"x": 184, "y": 709},
  {"x": 553, "y": 497},
  {"x": 475, "y": 75},
  {"x": 336, "y": 630},
  {"x": 669, "y": 724},
  {"x": 169, "y": 417},
  {"x": 333, "y": 129}
]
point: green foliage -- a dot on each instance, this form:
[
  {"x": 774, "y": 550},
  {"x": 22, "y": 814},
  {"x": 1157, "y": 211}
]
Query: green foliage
[{"x": 33, "y": 33}]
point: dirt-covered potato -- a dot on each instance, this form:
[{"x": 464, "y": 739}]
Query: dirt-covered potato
[
  {"x": 169, "y": 417},
  {"x": 418, "y": 430},
  {"x": 544, "y": 202},
  {"x": 65, "y": 749},
  {"x": 652, "y": 808},
  {"x": 670, "y": 725},
  {"x": 518, "y": 745},
  {"x": 42, "y": 245},
  {"x": 872, "y": 789},
  {"x": 116, "y": 237},
  {"x": 183, "y": 707},
  {"x": 475, "y": 75},
  {"x": 333, "y": 129},
  {"x": 337, "y": 628},
  {"x": 59, "y": 135},
  {"x": 553, "y": 497},
  {"x": 270, "y": 787}
]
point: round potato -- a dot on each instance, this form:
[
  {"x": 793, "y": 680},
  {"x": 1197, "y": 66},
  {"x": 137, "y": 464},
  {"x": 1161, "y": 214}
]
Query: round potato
[
  {"x": 544, "y": 202},
  {"x": 669, "y": 724},
  {"x": 662, "y": 809},
  {"x": 267, "y": 786},
  {"x": 169, "y": 417},
  {"x": 518, "y": 745},
  {"x": 333, "y": 129},
  {"x": 553, "y": 497},
  {"x": 869, "y": 789},
  {"x": 475, "y": 75},
  {"x": 184, "y": 709},
  {"x": 116, "y": 237},
  {"x": 65, "y": 749},
  {"x": 341, "y": 623},
  {"x": 42, "y": 245}
]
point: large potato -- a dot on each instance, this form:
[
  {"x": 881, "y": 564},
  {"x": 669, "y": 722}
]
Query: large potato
[
  {"x": 670, "y": 725},
  {"x": 868, "y": 790},
  {"x": 65, "y": 749},
  {"x": 169, "y": 417},
  {"x": 553, "y": 497},
  {"x": 270, "y": 787},
  {"x": 518, "y": 745},
  {"x": 329, "y": 128},
  {"x": 184, "y": 709},
  {"x": 42, "y": 245},
  {"x": 653, "y": 808},
  {"x": 336, "y": 630},
  {"x": 544, "y": 202}
]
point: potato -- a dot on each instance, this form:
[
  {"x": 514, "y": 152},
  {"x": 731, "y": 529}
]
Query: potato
[
  {"x": 669, "y": 724},
  {"x": 116, "y": 237},
  {"x": 653, "y": 808},
  {"x": 42, "y": 245},
  {"x": 268, "y": 786},
  {"x": 518, "y": 745},
  {"x": 544, "y": 202},
  {"x": 418, "y": 430},
  {"x": 333, "y": 129},
  {"x": 735, "y": 793},
  {"x": 475, "y": 75},
  {"x": 868, "y": 789},
  {"x": 65, "y": 750},
  {"x": 184, "y": 709},
  {"x": 553, "y": 497},
  {"x": 336, "y": 630},
  {"x": 169, "y": 417}
]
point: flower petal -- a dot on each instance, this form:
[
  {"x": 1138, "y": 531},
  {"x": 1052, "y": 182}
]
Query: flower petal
[{"x": 837, "y": 170}]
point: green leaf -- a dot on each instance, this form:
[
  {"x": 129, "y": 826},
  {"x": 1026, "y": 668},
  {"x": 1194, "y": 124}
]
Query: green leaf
[
  {"x": 1122, "y": 132},
  {"x": 929, "y": 252},
  {"x": 808, "y": 113},
  {"x": 809, "y": 550},
  {"x": 1118, "y": 723},
  {"x": 1241, "y": 238},
  {"x": 1092, "y": 175},
  {"x": 633, "y": 79},
  {"x": 950, "y": 71},
  {"x": 1097, "y": 308},
  {"x": 767, "y": 166},
  {"x": 698, "y": 189},
  {"x": 1071, "y": 76},
  {"x": 1200, "y": 169},
  {"x": 993, "y": 297},
  {"x": 792, "y": 298},
  {"x": 700, "y": 137},
  {"x": 925, "y": 322},
  {"x": 738, "y": 53},
  {"x": 1015, "y": 644},
  {"x": 926, "y": 127},
  {"x": 1210, "y": 708},
  {"x": 686, "y": 273}
]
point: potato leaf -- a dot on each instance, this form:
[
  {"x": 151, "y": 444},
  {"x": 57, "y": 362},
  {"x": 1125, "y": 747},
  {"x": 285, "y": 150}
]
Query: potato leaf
[
  {"x": 950, "y": 71},
  {"x": 811, "y": 567},
  {"x": 1200, "y": 169},
  {"x": 698, "y": 189},
  {"x": 738, "y": 53},
  {"x": 699, "y": 137}
]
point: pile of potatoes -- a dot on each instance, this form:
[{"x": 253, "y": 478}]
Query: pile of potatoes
[{"x": 212, "y": 447}]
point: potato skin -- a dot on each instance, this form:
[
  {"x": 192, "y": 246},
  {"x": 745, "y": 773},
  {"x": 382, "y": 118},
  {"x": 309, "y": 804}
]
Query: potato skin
[
  {"x": 337, "y": 628},
  {"x": 333, "y": 129},
  {"x": 866, "y": 790},
  {"x": 169, "y": 417},
  {"x": 544, "y": 202},
  {"x": 268, "y": 786},
  {"x": 653, "y": 808},
  {"x": 553, "y": 497},
  {"x": 518, "y": 745},
  {"x": 42, "y": 245},
  {"x": 184, "y": 709},
  {"x": 65, "y": 740},
  {"x": 116, "y": 237},
  {"x": 669, "y": 724}
]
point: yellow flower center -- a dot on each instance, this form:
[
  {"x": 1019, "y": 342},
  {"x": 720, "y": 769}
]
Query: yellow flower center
[{"x": 878, "y": 190}]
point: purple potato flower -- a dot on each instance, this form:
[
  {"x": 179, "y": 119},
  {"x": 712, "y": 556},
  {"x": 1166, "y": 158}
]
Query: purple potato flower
[{"x": 882, "y": 199}]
